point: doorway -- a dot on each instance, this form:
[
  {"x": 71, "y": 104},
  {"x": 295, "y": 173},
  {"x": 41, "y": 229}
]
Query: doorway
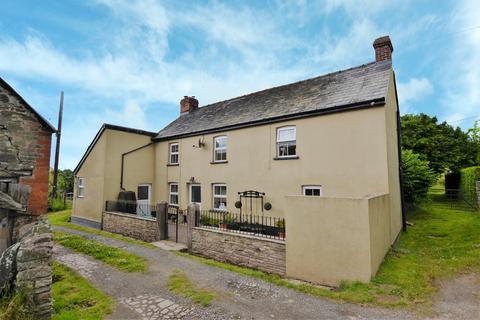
[
  {"x": 196, "y": 193},
  {"x": 143, "y": 200}
]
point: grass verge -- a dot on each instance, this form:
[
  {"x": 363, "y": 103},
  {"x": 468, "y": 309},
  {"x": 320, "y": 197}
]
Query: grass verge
[
  {"x": 14, "y": 306},
  {"x": 62, "y": 218},
  {"x": 442, "y": 243},
  {"x": 75, "y": 298},
  {"x": 179, "y": 284},
  {"x": 115, "y": 257}
]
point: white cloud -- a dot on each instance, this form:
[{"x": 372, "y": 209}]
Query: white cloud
[
  {"x": 413, "y": 90},
  {"x": 131, "y": 115},
  {"x": 462, "y": 73}
]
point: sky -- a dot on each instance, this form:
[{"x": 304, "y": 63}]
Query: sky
[{"x": 130, "y": 62}]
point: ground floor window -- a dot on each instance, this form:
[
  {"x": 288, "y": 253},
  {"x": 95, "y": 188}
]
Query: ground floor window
[
  {"x": 173, "y": 194},
  {"x": 315, "y": 191},
  {"x": 220, "y": 196}
]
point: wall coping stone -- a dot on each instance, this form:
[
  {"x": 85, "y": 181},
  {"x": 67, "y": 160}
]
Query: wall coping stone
[
  {"x": 127, "y": 215},
  {"x": 242, "y": 235}
]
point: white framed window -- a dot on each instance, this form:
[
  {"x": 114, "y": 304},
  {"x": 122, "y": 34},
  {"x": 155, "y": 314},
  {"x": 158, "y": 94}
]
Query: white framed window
[
  {"x": 81, "y": 188},
  {"x": 220, "y": 149},
  {"x": 173, "y": 197},
  {"x": 312, "y": 191},
  {"x": 220, "y": 196},
  {"x": 173, "y": 157},
  {"x": 286, "y": 142}
]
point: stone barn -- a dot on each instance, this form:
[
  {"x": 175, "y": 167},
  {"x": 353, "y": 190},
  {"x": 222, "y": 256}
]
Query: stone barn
[{"x": 25, "y": 140}]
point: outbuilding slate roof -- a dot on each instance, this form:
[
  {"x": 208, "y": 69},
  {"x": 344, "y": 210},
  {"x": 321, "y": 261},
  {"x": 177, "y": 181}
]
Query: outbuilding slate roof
[{"x": 342, "y": 90}]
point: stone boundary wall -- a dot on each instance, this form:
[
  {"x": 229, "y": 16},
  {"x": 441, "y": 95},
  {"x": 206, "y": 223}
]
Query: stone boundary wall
[
  {"x": 145, "y": 229},
  {"x": 244, "y": 250},
  {"x": 27, "y": 266}
]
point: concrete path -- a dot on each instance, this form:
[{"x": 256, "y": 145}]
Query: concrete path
[{"x": 145, "y": 296}]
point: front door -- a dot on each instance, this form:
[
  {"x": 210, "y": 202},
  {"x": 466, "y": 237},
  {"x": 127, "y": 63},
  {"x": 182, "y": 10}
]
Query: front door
[
  {"x": 195, "y": 193},
  {"x": 143, "y": 200}
]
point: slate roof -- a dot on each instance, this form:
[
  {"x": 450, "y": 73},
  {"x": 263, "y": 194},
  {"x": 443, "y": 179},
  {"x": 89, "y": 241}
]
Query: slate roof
[{"x": 362, "y": 86}]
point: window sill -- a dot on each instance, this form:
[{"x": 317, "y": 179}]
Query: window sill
[
  {"x": 173, "y": 164},
  {"x": 287, "y": 158},
  {"x": 218, "y": 162}
]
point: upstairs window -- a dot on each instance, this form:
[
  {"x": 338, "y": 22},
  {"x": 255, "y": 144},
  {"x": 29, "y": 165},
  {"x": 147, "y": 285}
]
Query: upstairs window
[
  {"x": 220, "y": 197},
  {"x": 173, "y": 194},
  {"x": 312, "y": 191},
  {"x": 220, "y": 149},
  {"x": 81, "y": 188},
  {"x": 286, "y": 142},
  {"x": 173, "y": 153}
]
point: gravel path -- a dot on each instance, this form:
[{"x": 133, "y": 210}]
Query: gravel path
[{"x": 143, "y": 296}]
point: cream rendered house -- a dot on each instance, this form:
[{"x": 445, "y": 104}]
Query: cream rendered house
[{"x": 336, "y": 135}]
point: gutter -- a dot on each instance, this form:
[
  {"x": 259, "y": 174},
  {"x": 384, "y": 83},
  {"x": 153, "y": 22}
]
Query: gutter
[
  {"x": 312, "y": 113},
  {"x": 123, "y": 161}
]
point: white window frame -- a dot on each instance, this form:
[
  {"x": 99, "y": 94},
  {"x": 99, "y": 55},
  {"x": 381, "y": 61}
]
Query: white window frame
[
  {"x": 173, "y": 153},
  {"x": 221, "y": 196},
  {"x": 279, "y": 141},
  {"x": 81, "y": 187},
  {"x": 215, "y": 148},
  {"x": 170, "y": 194},
  {"x": 312, "y": 187}
]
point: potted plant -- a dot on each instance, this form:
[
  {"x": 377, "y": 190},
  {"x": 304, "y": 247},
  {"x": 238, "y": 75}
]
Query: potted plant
[
  {"x": 280, "y": 224},
  {"x": 225, "y": 221}
]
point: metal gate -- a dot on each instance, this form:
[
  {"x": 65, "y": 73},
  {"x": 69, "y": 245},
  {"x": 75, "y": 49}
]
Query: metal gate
[{"x": 176, "y": 224}]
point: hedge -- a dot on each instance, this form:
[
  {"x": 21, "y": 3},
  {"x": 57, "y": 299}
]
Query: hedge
[{"x": 468, "y": 178}]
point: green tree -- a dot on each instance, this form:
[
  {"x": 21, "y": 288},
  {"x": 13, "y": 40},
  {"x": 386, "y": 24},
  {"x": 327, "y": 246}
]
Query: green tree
[
  {"x": 418, "y": 177},
  {"x": 474, "y": 134},
  {"x": 443, "y": 146},
  {"x": 65, "y": 181}
]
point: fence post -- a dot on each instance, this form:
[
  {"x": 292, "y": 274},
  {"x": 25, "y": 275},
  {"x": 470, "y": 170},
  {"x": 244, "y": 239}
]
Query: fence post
[
  {"x": 192, "y": 212},
  {"x": 162, "y": 212}
]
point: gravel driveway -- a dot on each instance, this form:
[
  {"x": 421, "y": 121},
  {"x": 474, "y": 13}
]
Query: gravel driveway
[{"x": 145, "y": 296}]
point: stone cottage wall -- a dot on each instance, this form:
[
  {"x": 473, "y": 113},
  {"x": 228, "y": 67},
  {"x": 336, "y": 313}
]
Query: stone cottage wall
[
  {"x": 145, "y": 229},
  {"x": 25, "y": 145},
  {"x": 244, "y": 250}
]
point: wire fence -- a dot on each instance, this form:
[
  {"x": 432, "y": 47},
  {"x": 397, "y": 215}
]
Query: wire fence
[{"x": 260, "y": 226}]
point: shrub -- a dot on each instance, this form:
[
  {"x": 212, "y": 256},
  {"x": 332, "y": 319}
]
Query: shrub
[
  {"x": 56, "y": 204},
  {"x": 468, "y": 178},
  {"x": 418, "y": 177}
]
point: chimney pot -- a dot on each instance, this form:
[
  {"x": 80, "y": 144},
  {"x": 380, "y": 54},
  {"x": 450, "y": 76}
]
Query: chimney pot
[
  {"x": 188, "y": 104},
  {"x": 383, "y": 48}
]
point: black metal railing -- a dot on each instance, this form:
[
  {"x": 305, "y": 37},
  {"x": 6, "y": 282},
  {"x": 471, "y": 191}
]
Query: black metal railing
[
  {"x": 131, "y": 207},
  {"x": 261, "y": 226}
]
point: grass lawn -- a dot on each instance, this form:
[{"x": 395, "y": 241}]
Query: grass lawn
[
  {"x": 179, "y": 284},
  {"x": 75, "y": 298},
  {"x": 62, "y": 218},
  {"x": 115, "y": 257},
  {"x": 442, "y": 243}
]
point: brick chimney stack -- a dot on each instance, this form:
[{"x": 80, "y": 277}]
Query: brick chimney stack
[
  {"x": 383, "y": 48},
  {"x": 188, "y": 104}
]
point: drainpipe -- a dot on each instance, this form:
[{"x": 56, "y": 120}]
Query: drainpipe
[{"x": 123, "y": 160}]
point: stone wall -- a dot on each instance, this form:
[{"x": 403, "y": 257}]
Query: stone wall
[
  {"x": 25, "y": 143},
  {"x": 244, "y": 250},
  {"x": 145, "y": 229},
  {"x": 27, "y": 266}
]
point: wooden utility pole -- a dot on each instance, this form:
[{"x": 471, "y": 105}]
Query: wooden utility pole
[{"x": 57, "y": 147}]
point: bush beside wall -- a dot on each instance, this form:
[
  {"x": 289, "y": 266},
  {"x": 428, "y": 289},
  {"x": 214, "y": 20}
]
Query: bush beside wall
[{"x": 468, "y": 178}]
